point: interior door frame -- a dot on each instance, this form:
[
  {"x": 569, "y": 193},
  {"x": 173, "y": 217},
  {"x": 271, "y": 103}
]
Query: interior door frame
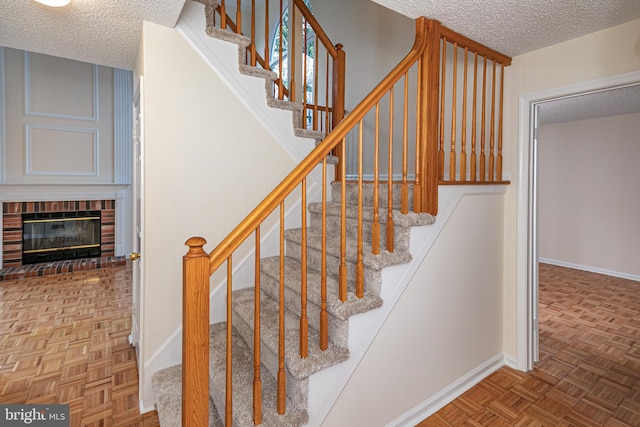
[
  {"x": 138, "y": 215},
  {"x": 526, "y": 234}
]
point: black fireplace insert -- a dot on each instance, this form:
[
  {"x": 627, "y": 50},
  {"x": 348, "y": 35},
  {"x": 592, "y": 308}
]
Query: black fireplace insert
[{"x": 58, "y": 236}]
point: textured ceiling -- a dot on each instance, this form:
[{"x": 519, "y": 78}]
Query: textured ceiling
[
  {"x": 108, "y": 32},
  {"x": 516, "y": 27},
  {"x": 105, "y": 32},
  {"x": 606, "y": 103}
]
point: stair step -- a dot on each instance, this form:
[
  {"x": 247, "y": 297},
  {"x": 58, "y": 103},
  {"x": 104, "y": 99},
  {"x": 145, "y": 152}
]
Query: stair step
[
  {"x": 298, "y": 369},
  {"x": 338, "y": 311},
  {"x": 242, "y": 41},
  {"x": 402, "y": 223},
  {"x": 242, "y": 384},
  {"x": 373, "y": 264},
  {"x": 167, "y": 386},
  {"x": 352, "y": 193}
]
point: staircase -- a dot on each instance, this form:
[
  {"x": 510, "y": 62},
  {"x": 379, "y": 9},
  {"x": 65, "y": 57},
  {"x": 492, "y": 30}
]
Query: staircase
[
  {"x": 166, "y": 383},
  {"x": 342, "y": 236}
]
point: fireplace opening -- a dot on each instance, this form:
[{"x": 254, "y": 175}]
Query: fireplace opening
[{"x": 58, "y": 236}]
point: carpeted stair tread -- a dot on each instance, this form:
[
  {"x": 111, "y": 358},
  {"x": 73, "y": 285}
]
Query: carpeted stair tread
[
  {"x": 342, "y": 310},
  {"x": 243, "y": 383},
  {"x": 318, "y": 135},
  {"x": 283, "y": 104},
  {"x": 410, "y": 219},
  {"x": 229, "y": 36},
  {"x": 352, "y": 194},
  {"x": 248, "y": 70},
  {"x": 167, "y": 386},
  {"x": 243, "y": 306},
  {"x": 374, "y": 262}
]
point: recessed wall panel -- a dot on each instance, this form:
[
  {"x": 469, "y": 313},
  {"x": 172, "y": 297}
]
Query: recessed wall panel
[
  {"x": 61, "y": 151},
  {"x": 57, "y": 87}
]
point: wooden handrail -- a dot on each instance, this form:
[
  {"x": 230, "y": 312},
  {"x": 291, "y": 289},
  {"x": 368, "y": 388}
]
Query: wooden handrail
[
  {"x": 474, "y": 46},
  {"x": 286, "y": 186}
]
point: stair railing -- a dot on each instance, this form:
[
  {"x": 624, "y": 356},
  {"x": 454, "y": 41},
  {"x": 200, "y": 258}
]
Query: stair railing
[
  {"x": 314, "y": 77},
  {"x": 399, "y": 119},
  {"x": 470, "y": 129}
]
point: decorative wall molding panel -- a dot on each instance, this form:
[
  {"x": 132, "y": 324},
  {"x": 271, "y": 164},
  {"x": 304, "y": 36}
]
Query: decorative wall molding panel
[
  {"x": 75, "y": 154},
  {"x": 69, "y": 76}
]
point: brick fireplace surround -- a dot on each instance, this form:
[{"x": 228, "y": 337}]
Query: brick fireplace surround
[{"x": 12, "y": 236}]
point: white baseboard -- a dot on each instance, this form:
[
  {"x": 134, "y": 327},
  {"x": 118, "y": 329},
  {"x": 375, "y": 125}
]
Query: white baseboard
[
  {"x": 590, "y": 269},
  {"x": 511, "y": 362},
  {"x": 446, "y": 395}
]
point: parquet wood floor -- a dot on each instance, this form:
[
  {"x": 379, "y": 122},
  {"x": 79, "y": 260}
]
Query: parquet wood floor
[
  {"x": 63, "y": 339},
  {"x": 589, "y": 368}
]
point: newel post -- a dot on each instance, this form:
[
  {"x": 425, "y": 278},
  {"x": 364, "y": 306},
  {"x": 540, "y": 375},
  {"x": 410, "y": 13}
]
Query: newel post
[
  {"x": 195, "y": 334},
  {"x": 339, "y": 70},
  {"x": 429, "y": 80}
]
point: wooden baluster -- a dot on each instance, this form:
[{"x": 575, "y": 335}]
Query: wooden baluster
[
  {"x": 253, "y": 33},
  {"x": 483, "y": 131},
  {"x": 474, "y": 114},
  {"x": 293, "y": 56},
  {"x": 228, "y": 409},
  {"x": 304, "y": 79},
  {"x": 282, "y": 379},
  {"x": 342, "y": 271},
  {"x": 359, "y": 264},
  {"x": 404, "y": 189},
  {"x": 267, "y": 27},
  {"x": 442, "y": 96},
  {"x": 315, "y": 86},
  {"x": 390, "y": 225},
  {"x": 195, "y": 338},
  {"x": 239, "y": 18},
  {"x": 375, "y": 227},
  {"x": 223, "y": 15},
  {"x": 304, "y": 321},
  {"x": 338, "y": 82},
  {"x": 417, "y": 186},
  {"x": 499, "y": 165},
  {"x": 493, "y": 124},
  {"x": 280, "y": 75},
  {"x": 257, "y": 381},
  {"x": 324, "y": 316},
  {"x": 327, "y": 124},
  {"x": 452, "y": 153},
  {"x": 463, "y": 140}
]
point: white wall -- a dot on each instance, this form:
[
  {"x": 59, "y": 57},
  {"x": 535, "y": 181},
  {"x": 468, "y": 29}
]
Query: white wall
[
  {"x": 447, "y": 323},
  {"x": 598, "y": 55},
  {"x": 588, "y": 198},
  {"x": 208, "y": 162},
  {"x": 375, "y": 39}
]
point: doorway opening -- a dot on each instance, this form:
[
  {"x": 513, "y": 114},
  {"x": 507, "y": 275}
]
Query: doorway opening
[{"x": 527, "y": 232}]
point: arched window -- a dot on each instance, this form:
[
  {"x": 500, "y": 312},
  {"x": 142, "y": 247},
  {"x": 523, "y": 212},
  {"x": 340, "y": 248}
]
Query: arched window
[{"x": 274, "y": 57}]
